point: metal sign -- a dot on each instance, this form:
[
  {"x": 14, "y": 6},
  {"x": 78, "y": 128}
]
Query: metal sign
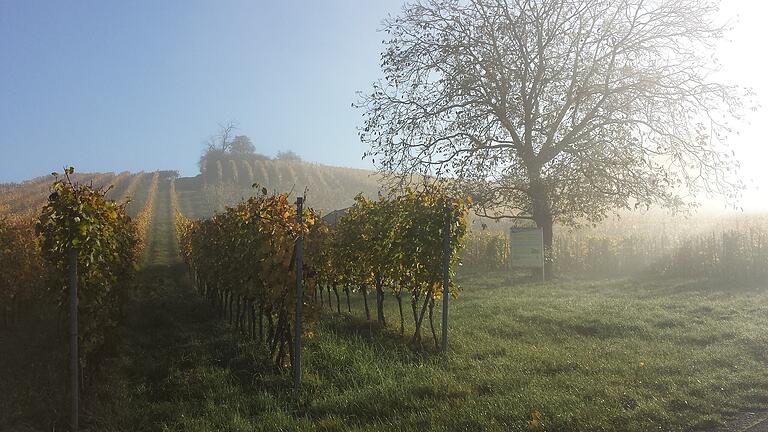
[{"x": 526, "y": 247}]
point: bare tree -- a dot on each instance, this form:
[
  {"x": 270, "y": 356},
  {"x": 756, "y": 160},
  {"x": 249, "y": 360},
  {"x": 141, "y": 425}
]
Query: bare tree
[
  {"x": 556, "y": 110},
  {"x": 222, "y": 141},
  {"x": 217, "y": 146}
]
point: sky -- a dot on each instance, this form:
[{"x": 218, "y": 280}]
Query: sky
[
  {"x": 140, "y": 85},
  {"x": 112, "y": 86}
]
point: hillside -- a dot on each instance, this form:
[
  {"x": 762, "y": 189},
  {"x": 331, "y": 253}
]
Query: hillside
[
  {"x": 31, "y": 195},
  {"x": 225, "y": 182},
  {"x": 327, "y": 187}
]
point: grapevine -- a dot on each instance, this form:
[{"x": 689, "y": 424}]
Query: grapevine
[
  {"x": 79, "y": 216},
  {"x": 261, "y": 232}
]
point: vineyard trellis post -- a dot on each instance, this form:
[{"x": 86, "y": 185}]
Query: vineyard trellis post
[
  {"x": 73, "y": 350},
  {"x": 299, "y": 299},
  {"x": 446, "y": 275}
]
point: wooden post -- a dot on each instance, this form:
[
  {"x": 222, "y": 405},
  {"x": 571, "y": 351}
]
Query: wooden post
[
  {"x": 299, "y": 301},
  {"x": 74, "y": 363},
  {"x": 543, "y": 259},
  {"x": 446, "y": 275}
]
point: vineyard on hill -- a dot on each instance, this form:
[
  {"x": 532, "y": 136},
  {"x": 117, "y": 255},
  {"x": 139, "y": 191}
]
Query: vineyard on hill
[
  {"x": 226, "y": 183},
  {"x": 28, "y": 197},
  {"x": 26, "y": 279}
]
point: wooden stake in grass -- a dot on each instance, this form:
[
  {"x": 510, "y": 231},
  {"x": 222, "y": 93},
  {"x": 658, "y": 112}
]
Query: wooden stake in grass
[
  {"x": 446, "y": 276},
  {"x": 399, "y": 298},
  {"x": 299, "y": 301},
  {"x": 73, "y": 351}
]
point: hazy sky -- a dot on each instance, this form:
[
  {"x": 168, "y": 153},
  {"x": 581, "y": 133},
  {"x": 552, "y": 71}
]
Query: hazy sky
[
  {"x": 112, "y": 86},
  {"x": 744, "y": 62}
]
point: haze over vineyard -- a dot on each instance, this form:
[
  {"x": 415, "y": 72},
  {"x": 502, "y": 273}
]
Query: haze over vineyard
[{"x": 449, "y": 215}]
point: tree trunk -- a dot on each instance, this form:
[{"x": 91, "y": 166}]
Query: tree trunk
[
  {"x": 280, "y": 350},
  {"x": 277, "y": 342},
  {"x": 229, "y": 295},
  {"x": 432, "y": 322},
  {"x": 380, "y": 302},
  {"x": 417, "y": 334},
  {"x": 542, "y": 215},
  {"x": 244, "y": 316},
  {"x": 399, "y": 298},
  {"x": 349, "y": 306},
  {"x": 289, "y": 339},
  {"x": 336, "y": 293},
  {"x": 252, "y": 327},
  {"x": 237, "y": 317},
  {"x": 365, "y": 302},
  {"x": 270, "y": 327},
  {"x": 222, "y": 304},
  {"x": 261, "y": 321},
  {"x": 213, "y": 299},
  {"x": 320, "y": 294},
  {"x": 221, "y": 301}
]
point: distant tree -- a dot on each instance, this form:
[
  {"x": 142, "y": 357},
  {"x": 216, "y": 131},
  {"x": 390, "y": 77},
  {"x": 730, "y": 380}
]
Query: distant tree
[
  {"x": 225, "y": 146},
  {"x": 556, "y": 110},
  {"x": 222, "y": 141},
  {"x": 217, "y": 146},
  {"x": 287, "y": 156},
  {"x": 242, "y": 145}
]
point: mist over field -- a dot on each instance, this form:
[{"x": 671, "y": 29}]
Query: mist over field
[{"x": 453, "y": 215}]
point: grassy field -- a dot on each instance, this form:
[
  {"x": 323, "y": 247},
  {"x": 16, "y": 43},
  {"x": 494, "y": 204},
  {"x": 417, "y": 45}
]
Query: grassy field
[{"x": 577, "y": 356}]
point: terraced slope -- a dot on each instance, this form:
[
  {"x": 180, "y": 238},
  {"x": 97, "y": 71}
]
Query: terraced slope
[
  {"x": 327, "y": 188},
  {"x": 31, "y": 195}
]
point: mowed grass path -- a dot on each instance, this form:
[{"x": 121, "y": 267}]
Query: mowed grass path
[{"x": 615, "y": 355}]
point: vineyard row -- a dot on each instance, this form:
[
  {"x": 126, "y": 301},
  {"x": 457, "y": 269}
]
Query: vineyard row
[{"x": 242, "y": 259}]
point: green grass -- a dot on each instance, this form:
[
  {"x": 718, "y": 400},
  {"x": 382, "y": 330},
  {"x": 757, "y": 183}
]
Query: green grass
[
  {"x": 609, "y": 355},
  {"x": 161, "y": 249}
]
